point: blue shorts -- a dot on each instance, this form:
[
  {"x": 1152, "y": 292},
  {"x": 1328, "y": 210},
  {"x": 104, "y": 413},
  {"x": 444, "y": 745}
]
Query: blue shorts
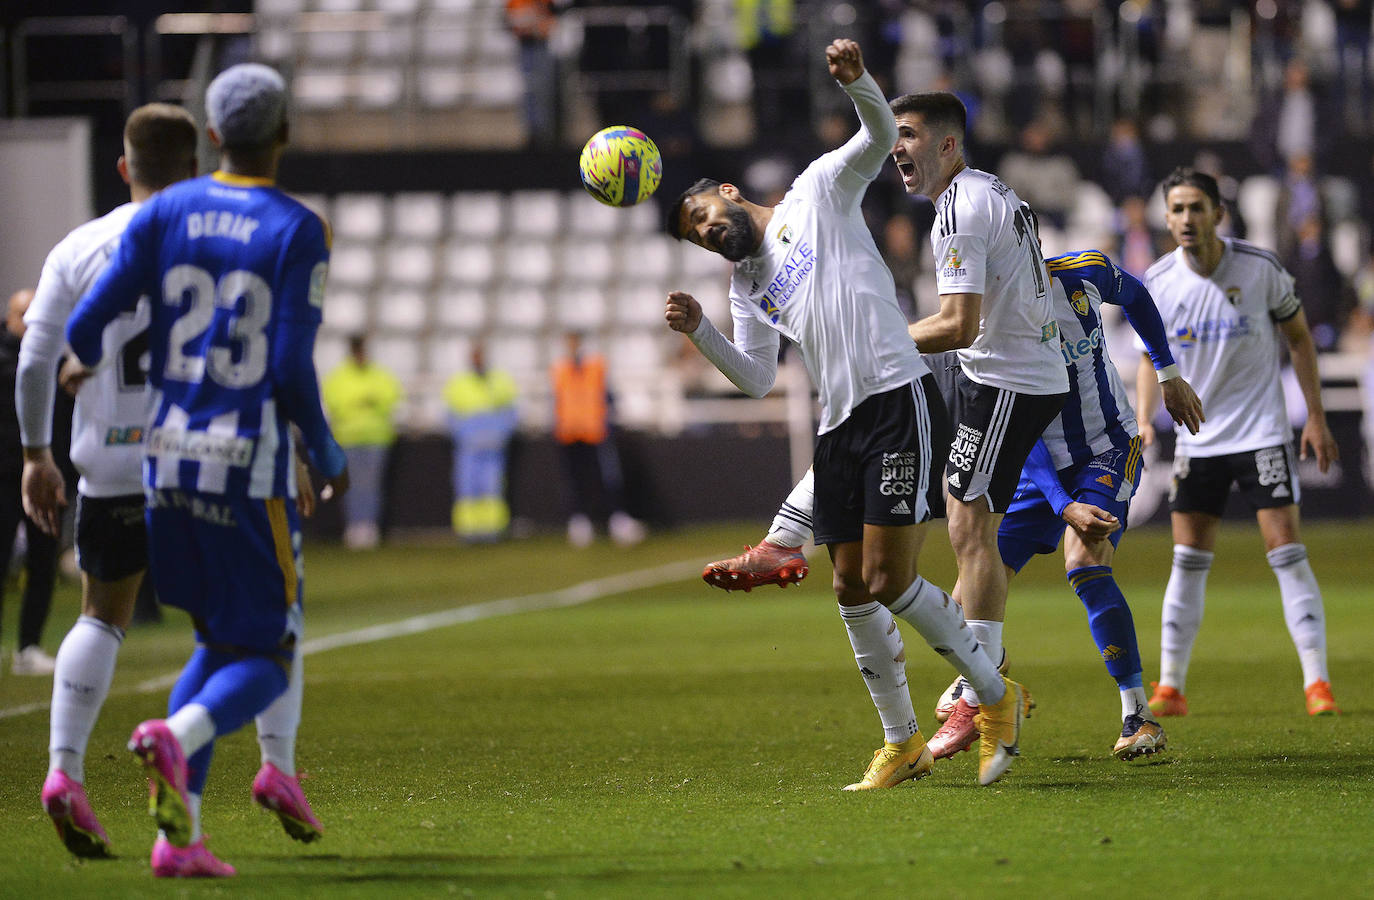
[
  {"x": 1108, "y": 481},
  {"x": 233, "y": 563}
]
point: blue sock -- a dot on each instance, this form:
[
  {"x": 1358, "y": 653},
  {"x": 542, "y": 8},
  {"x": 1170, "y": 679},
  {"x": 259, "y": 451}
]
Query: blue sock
[
  {"x": 1109, "y": 620},
  {"x": 233, "y": 688}
]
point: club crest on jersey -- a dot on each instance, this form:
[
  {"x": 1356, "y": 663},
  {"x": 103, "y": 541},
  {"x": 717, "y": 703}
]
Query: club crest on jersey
[
  {"x": 954, "y": 264},
  {"x": 1186, "y": 336},
  {"x": 1233, "y": 295},
  {"x": 785, "y": 234},
  {"x": 1079, "y": 302}
]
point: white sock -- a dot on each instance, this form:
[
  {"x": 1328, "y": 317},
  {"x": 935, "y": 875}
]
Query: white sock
[
  {"x": 1182, "y": 615},
  {"x": 941, "y": 622},
  {"x": 878, "y": 650},
  {"x": 1134, "y": 703},
  {"x": 80, "y": 683},
  {"x": 1302, "y": 608},
  {"x": 792, "y": 524},
  {"x": 278, "y": 724},
  {"x": 989, "y": 635},
  {"x": 193, "y": 727},
  {"x": 193, "y": 807}
]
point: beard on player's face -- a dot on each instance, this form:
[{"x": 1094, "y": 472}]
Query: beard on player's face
[{"x": 739, "y": 239}]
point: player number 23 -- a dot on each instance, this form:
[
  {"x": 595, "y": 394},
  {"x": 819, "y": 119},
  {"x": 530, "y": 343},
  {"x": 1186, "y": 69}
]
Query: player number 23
[{"x": 237, "y": 366}]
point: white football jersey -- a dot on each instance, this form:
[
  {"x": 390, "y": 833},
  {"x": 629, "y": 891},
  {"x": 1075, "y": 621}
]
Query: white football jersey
[
  {"x": 1223, "y": 335},
  {"x": 984, "y": 244},
  {"x": 113, "y": 406},
  {"x": 819, "y": 280}
]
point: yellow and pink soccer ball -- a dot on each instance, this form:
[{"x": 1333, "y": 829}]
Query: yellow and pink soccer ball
[{"x": 620, "y": 166}]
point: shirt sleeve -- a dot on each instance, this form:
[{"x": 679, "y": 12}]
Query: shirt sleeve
[
  {"x": 39, "y": 352},
  {"x": 1283, "y": 297},
  {"x": 300, "y": 311},
  {"x": 961, "y": 256},
  {"x": 1124, "y": 290},
  {"x": 840, "y": 177},
  {"x": 751, "y": 361},
  {"x": 131, "y": 273},
  {"x": 1039, "y": 468}
]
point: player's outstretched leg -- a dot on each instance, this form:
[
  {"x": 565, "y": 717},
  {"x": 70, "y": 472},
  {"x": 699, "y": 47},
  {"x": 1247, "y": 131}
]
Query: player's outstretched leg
[
  {"x": 765, "y": 563},
  {"x": 277, "y": 786},
  {"x": 193, "y": 861}
]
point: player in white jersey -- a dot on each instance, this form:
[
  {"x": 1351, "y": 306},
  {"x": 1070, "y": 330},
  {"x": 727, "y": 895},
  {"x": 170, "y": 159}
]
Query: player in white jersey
[
  {"x": 111, "y": 413},
  {"x": 995, "y": 311},
  {"x": 1224, "y": 301},
  {"x": 808, "y": 269}
]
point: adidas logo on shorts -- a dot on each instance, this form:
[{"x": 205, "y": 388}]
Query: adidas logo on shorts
[
  {"x": 954, "y": 480},
  {"x": 901, "y": 509}
]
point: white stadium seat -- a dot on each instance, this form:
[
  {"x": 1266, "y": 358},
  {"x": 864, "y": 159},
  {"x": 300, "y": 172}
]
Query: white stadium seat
[
  {"x": 478, "y": 213},
  {"x": 360, "y": 216},
  {"x": 461, "y": 308},
  {"x": 469, "y": 261},
  {"x": 529, "y": 261},
  {"x": 400, "y": 309},
  {"x": 536, "y": 212},
  {"x": 345, "y": 311},
  {"x": 587, "y": 259},
  {"x": 520, "y": 307},
  {"x": 410, "y": 262},
  {"x": 418, "y": 215},
  {"x": 581, "y": 307},
  {"x": 352, "y": 264}
]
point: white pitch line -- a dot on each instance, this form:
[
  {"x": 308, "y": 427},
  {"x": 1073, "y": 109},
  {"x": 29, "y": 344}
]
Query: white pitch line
[{"x": 573, "y": 595}]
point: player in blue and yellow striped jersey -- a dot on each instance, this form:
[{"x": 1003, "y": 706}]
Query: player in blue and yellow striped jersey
[{"x": 236, "y": 270}]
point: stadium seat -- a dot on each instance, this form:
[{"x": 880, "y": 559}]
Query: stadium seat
[
  {"x": 650, "y": 256},
  {"x": 536, "y": 213},
  {"x": 278, "y": 8},
  {"x": 441, "y": 86},
  {"x": 418, "y": 215},
  {"x": 352, "y": 263},
  {"x": 360, "y": 216},
  {"x": 640, "y": 304},
  {"x": 447, "y": 354},
  {"x": 521, "y": 308},
  {"x": 519, "y": 354},
  {"x": 345, "y": 311},
  {"x": 589, "y": 216},
  {"x": 528, "y": 262},
  {"x": 500, "y": 86},
  {"x": 330, "y": 350},
  {"x": 380, "y": 86},
  {"x": 275, "y": 41},
  {"x": 397, "y": 353},
  {"x": 468, "y": 261},
  {"x": 1257, "y": 198},
  {"x": 695, "y": 262},
  {"x": 400, "y": 308},
  {"x": 328, "y": 47},
  {"x": 478, "y": 214},
  {"x": 581, "y": 306},
  {"x": 409, "y": 263},
  {"x": 587, "y": 259},
  {"x": 461, "y": 308},
  {"x": 320, "y": 89}
]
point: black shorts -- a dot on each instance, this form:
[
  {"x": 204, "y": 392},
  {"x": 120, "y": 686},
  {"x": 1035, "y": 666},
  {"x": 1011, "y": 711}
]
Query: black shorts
[
  {"x": 881, "y": 466},
  {"x": 994, "y": 431},
  {"x": 1266, "y": 478},
  {"x": 111, "y": 536}
]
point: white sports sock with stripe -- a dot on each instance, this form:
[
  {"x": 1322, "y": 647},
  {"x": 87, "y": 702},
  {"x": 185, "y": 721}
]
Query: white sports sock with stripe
[
  {"x": 80, "y": 684},
  {"x": 1181, "y": 618},
  {"x": 881, "y": 656},
  {"x": 278, "y": 723},
  {"x": 792, "y": 525},
  {"x": 1302, "y": 608},
  {"x": 941, "y": 622}
]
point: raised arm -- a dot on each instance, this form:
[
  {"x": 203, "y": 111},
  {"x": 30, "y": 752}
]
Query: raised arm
[{"x": 866, "y": 151}]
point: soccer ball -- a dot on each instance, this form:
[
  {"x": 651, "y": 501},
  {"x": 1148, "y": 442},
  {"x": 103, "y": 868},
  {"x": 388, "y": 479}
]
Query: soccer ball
[{"x": 620, "y": 166}]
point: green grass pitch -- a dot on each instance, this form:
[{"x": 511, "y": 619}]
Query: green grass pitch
[{"x": 672, "y": 740}]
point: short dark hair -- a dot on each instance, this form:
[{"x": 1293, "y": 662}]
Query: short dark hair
[
  {"x": 1193, "y": 178},
  {"x": 702, "y": 186},
  {"x": 160, "y": 145},
  {"x": 938, "y": 109}
]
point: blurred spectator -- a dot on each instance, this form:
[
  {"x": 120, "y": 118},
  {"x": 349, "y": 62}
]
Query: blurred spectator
[
  {"x": 766, "y": 31},
  {"x": 1292, "y": 122},
  {"x": 1353, "y": 36},
  {"x": 1043, "y": 177},
  {"x": 482, "y": 418},
  {"x": 902, "y": 252},
  {"x": 582, "y": 429},
  {"x": 1138, "y": 244},
  {"x": 532, "y": 22},
  {"x": 1319, "y": 284},
  {"x": 1125, "y": 167},
  {"x": 360, "y": 398},
  {"x": 1299, "y": 201},
  {"x": 40, "y": 550}
]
